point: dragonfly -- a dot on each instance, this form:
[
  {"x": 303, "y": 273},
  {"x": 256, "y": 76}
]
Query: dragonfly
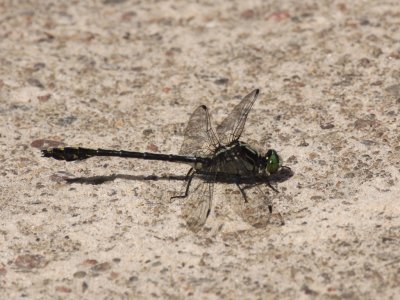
[{"x": 213, "y": 156}]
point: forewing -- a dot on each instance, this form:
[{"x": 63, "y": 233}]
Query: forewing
[
  {"x": 232, "y": 127},
  {"x": 199, "y": 138}
]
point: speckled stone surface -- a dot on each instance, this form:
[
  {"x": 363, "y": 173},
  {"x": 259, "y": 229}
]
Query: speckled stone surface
[{"x": 123, "y": 74}]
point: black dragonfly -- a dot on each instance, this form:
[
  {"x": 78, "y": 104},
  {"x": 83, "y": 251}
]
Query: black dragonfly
[{"x": 214, "y": 157}]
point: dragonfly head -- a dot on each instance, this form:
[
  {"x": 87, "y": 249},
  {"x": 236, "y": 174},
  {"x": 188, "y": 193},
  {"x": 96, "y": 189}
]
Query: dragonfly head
[{"x": 273, "y": 161}]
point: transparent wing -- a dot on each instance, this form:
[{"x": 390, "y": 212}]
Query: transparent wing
[
  {"x": 251, "y": 198},
  {"x": 196, "y": 207},
  {"x": 199, "y": 138},
  {"x": 232, "y": 127},
  {"x": 255, "y": 210}
]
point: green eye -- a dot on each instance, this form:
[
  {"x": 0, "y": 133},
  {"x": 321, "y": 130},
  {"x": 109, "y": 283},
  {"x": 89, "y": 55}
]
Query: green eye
[{"x": 273, "y": 162}]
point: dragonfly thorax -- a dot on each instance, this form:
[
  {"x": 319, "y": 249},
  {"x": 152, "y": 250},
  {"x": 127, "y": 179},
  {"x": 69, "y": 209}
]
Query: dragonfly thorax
[{"x": 237, "y": 158}]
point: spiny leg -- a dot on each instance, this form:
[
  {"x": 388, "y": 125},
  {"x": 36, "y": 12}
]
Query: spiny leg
[
  {"x": 270, "y": 205},
  {"x": 272, "y": 188},
  {"x": 242, "y": 192},
  {"x": 188, "y": 177}
]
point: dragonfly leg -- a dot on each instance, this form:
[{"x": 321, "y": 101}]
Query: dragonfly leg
[
  {"x": 270, "y": 205},
  {"x": 274, "y": 189},
  {"x": 242, "y": 192},
  {"x": 188, "y": 177}
]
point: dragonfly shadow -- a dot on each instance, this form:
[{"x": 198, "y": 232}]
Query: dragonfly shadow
[
  {"x": 282, "y": 175},
  {"x": 95, "y": 180}
]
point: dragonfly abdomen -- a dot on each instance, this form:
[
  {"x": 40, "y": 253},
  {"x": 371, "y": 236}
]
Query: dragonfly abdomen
[{"x": 78, "y": 153}]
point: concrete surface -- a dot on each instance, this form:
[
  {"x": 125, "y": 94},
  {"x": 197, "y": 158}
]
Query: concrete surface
[{"x": 126, "y": 74}]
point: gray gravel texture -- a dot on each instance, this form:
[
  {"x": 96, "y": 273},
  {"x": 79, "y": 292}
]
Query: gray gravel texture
[{"x": 123, "y": 74}]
